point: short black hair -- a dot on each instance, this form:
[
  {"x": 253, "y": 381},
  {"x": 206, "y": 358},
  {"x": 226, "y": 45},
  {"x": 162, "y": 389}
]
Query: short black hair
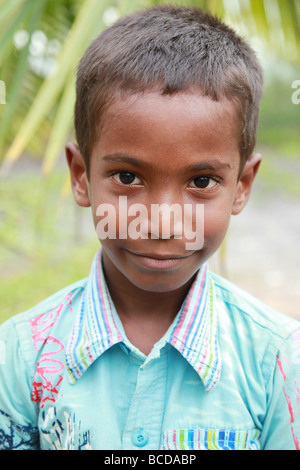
[{"x": 168, "y": 49}]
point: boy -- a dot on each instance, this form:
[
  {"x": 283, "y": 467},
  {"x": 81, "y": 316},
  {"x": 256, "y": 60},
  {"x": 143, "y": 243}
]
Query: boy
[{"x": 152, "y": 351}]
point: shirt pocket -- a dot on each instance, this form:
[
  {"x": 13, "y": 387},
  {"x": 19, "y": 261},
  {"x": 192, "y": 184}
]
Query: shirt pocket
[{"x": 211, "y": 439}]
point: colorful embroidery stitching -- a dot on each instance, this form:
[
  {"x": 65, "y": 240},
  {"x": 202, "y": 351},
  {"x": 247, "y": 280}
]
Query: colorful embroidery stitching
[
  {"x": 211, "y": 439},
  {"x": 49, "y": 368}
]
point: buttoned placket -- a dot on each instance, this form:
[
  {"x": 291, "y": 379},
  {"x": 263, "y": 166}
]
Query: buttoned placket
[{"x": 145, "y": 417}]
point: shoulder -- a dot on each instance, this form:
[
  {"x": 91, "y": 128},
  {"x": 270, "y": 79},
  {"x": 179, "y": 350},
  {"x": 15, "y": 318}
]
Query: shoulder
[
  {"x": 19, "y": 334},
  {"x": 249, "y": 310},
  {"x": 256, "y": 335}
]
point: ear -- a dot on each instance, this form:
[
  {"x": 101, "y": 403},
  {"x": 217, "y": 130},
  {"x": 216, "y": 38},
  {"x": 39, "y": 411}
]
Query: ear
[
  {"x": 79, "y": 179},
  {"x": 245, "y": 183}
]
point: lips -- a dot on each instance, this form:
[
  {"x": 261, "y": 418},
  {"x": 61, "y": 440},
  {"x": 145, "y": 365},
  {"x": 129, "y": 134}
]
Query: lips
[
  {"x": 159, "y": 256},
  {"x": 157, "y": 260}
]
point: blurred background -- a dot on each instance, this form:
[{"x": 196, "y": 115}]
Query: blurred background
[{"x": 46, "y": 241}]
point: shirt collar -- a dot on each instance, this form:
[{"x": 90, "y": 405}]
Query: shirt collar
[{"x": 193, "y": 333}]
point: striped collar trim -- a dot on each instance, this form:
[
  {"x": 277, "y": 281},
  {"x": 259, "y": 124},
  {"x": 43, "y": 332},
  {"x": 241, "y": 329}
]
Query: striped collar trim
[
  {"x": 194, "y": 333},
  {"x": 95, "y": 329}
]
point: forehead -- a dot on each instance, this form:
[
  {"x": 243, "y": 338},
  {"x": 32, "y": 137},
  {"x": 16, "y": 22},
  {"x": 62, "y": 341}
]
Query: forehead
[{"x": 170, "y": 130}]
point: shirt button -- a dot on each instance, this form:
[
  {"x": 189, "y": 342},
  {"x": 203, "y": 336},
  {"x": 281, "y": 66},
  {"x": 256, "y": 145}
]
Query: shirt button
[{"x": 140, "y": 438}]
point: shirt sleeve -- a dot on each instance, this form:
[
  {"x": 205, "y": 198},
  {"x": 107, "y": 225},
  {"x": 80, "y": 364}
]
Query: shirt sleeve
[
  {"x": 281, "y": 430},
  {"x": 18, "y": 417}
]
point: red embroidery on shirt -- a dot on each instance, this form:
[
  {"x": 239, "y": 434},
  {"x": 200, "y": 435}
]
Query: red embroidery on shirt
[
  {"x": 288, "y": 400},
  {"x": 48, "y": 374}
]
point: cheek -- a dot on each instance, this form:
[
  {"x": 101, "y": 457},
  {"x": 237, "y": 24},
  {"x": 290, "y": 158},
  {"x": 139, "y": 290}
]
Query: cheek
[
  {"x": 103, "y": 205},
  {"x": 216, "y": 222},
  {"x": 111, "y": 219}
]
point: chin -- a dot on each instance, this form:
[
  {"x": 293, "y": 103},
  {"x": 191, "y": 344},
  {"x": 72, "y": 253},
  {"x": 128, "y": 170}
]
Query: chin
[{"x": 158, "y": 283}]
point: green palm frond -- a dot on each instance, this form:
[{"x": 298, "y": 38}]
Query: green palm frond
[{"x": 43, "y": 40}]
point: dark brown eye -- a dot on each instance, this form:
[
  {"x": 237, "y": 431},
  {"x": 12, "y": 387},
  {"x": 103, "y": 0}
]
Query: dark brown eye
[
  {"x": 127, "y": 178},
  {"x": 202, "y": 182}
]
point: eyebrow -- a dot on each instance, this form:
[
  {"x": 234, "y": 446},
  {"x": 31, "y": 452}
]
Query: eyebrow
[
  {"x": 214, "y": 164},
  {"x": 118, "y": 157}
]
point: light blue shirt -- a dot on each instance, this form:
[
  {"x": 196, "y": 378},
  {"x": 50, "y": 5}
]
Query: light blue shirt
[{"x": 224, "y": 376}]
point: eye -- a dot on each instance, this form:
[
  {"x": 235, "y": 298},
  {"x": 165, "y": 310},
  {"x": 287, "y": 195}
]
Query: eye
[
  {"x": 204, "y": 182},
  {"x": 127, "y": 178}
]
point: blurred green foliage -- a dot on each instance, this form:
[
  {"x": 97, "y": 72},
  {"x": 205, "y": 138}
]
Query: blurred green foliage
[
  {"x": 42, "y": 247},
  {"x": 42, "y": 42},
  {"x": 279, "y": 125}
]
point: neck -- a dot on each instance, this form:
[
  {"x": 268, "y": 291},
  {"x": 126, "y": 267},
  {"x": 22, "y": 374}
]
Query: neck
[
  {"x": 129, "y": 298},
  {"x": 145, "y": 315}
]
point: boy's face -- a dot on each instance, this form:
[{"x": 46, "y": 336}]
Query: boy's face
[{"x": 153, "y": 149}]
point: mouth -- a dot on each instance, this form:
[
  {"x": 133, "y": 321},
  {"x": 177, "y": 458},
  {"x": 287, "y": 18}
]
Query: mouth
[{"x": 159, "y": 261}]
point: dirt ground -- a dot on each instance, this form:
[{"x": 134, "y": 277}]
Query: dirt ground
[{"x": 263, "y": 252}]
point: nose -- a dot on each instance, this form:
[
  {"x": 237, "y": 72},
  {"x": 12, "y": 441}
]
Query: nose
[
  {"x": 165, "y": 221},
  {"x": 164, "y": 216}
]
